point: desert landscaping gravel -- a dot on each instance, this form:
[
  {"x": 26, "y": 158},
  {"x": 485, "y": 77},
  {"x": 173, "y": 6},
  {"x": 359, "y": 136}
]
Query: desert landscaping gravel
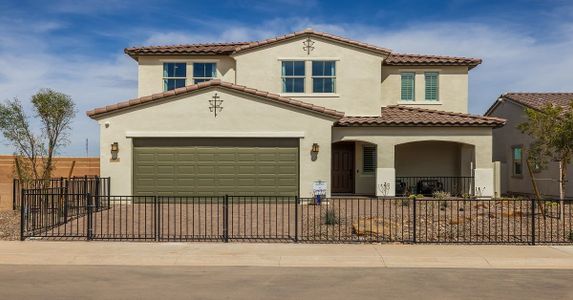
[{"x": 9, "y": 225}]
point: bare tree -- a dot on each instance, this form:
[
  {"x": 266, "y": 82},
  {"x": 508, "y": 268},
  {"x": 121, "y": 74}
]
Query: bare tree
[{"x": 35, "y": 150}]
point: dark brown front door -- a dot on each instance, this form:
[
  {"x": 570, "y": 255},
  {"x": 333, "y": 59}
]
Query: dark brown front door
[{"x": 343, "y": 167}]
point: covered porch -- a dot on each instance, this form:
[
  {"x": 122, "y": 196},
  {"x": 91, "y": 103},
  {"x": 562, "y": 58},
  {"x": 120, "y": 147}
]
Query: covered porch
[
  {"x": 422, "y": 167},
  {"x": 413, "y": 151}
]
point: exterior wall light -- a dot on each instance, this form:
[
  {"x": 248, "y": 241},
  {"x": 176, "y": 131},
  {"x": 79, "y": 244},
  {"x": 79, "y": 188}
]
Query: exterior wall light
[
  {"x": 315, "y": 148},
  {"x": 114, "y": 151}
]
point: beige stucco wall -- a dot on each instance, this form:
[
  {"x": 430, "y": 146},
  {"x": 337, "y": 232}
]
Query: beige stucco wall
[
  {"x": 506, "y": 137},
  {"x": 363, "y": 84},
  {"x": 357, "y": 73},
  {"x": 452, "y": 82},
  {"x": 428, "y": 159},
  {"x": 387, "y": 138},
  {"x": 364, "y": 183},
  {"x": 150, "y": 70},
  {"x": 189, "y": 116}
]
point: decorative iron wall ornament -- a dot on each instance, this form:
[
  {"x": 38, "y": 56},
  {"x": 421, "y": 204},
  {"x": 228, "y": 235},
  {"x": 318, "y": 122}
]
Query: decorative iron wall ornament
[
  {"x": 308, "y": 45},
  {"x": 215, "y": 104}
]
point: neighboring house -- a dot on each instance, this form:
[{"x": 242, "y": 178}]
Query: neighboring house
[
  {"x": 510, "y": 145},
  {"x": 275, "y": 116}
]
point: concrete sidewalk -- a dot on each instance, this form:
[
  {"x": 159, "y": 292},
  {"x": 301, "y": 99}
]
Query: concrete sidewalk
[{"x": 285, "y": 255}]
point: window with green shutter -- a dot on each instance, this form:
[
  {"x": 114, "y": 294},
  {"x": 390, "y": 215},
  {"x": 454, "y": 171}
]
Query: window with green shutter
[
  {"x": 431, "y": 86},
  {"x": 407, "y": 93}
]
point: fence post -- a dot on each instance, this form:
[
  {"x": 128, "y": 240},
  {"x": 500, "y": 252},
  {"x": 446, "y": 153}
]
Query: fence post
[
  {"x": 90, "y": 217},
  {"x": 414, "y": 221},
  {"x": 97, "y": 193},
  {"x": 296, "y": 219},
  {"x": 22, "y": 216},
  {"x": 157, "y": 217},
  {"x": 14, "y": 194},
  {"x": 533, "y": 222},
  {"x": 226, "y": 219}
]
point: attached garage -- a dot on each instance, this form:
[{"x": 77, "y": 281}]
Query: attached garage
[{"x": 216, "y": 166}]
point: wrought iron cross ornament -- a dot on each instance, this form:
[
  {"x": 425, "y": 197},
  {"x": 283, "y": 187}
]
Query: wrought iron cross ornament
[
  {"x": 215, "y": 104},
  {"x": 308, "y": 45}
]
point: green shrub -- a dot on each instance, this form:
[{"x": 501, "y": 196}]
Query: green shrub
[{"x": 330, "y": 217}]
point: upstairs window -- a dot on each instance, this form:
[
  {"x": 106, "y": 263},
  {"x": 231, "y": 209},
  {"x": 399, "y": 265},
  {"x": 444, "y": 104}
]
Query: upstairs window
[
  {"x": 431, "y": 79},
  {"x": 407, "y": 86},
  {"x": 369, "y": 159},
  {"x": 204, "y": 72},
  {"x": 293, "y": 75},
  {"x": 323, "y": 76},
  {"x": 174, "y": 75},
  {"x": 517, "y": 158}
]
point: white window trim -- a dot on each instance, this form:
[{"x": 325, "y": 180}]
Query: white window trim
[
  {"x": 402, "y": 72},
  {"x": 312, "y": 77},
  {"x": 163, "y": 78},
  {"x": 437, "y": 86},
  {"x": 293, "y": 76},
  {"x": 206, "y": 62}
]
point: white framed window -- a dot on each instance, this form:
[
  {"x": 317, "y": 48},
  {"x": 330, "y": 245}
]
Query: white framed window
[
  {"x": 432, "y": 86},
  {"x": 204, "y": 71},
  {"x": 324, "y": 76},
  {"x": 293, "y": 75},
  {"x": 174, "y": 75},
  {"x": 369, "y": 159},
  {"x": 407, "y": 86}
]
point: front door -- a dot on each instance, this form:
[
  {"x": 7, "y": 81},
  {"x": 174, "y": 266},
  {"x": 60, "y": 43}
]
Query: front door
[{"x": 343, "y": 167}]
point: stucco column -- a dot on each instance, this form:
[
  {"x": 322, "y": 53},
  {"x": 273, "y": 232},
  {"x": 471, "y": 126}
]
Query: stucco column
[
  {"x": 385, "y": 172},
  {"x": 484, "y": 173}
]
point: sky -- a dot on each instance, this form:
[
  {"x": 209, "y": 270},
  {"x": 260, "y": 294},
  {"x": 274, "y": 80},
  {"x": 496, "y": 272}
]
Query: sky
[{"x": 76, "y": 47}]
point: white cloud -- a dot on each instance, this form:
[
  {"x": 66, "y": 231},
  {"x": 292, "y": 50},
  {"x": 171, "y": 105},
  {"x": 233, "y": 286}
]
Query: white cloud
[{"x": 514, "y": 60}]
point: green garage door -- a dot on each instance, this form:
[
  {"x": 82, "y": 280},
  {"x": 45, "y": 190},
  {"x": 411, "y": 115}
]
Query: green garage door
[{"x": 239, "y": 166}]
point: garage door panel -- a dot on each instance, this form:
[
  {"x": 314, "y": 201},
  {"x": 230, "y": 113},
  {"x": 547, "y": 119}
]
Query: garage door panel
[{"x": 233, "y": 168}]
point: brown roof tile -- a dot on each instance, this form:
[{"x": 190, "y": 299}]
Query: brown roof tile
[
  {"x": 538, "y": 100},
  {"x": 398, "y": 59},
  {"x": 395, "y": 115},
  {"x": 309, "y": 31},
  {"x": 190, "y": 49},
  {"x": 94, "y": 113}
]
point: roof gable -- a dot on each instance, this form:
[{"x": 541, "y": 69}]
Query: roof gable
[
  {"x": 309, "y": 33},
  {"x": 533, "y": 100},
  {"x": 273, "y": 98}
]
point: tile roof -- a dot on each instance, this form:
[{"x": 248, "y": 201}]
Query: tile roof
[
  {"x": 94, "y": 113},
  {"x": 395, "y": 115},
  {"x": 309, "y": 31},
  {"x": 189, "y": 49},
  {"x": 395, "y": 59},
  {"x": 538, "y": 100},
  {"x": 398, "y": 59}
]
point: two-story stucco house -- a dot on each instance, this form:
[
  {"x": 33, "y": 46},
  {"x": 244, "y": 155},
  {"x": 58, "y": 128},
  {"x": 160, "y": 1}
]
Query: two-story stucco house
[
  {"x": 510, "y": 145},
  {"x": 273, "y": 117}
]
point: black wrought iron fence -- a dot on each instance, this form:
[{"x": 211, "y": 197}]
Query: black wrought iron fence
[
  {"x": 94, "y": 185},
  {"x": 293, "y": 219},
  {"x": 456, "y": 186}
]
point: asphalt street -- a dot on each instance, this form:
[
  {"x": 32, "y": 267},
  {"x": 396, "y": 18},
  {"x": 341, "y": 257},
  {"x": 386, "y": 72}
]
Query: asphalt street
[{"x": 157, "y": 282}]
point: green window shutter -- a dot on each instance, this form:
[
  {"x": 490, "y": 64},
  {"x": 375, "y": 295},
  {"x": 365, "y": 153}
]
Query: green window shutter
[
  {"x": 431, "y": 79},
  {"x": 407, "y": 90}
]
